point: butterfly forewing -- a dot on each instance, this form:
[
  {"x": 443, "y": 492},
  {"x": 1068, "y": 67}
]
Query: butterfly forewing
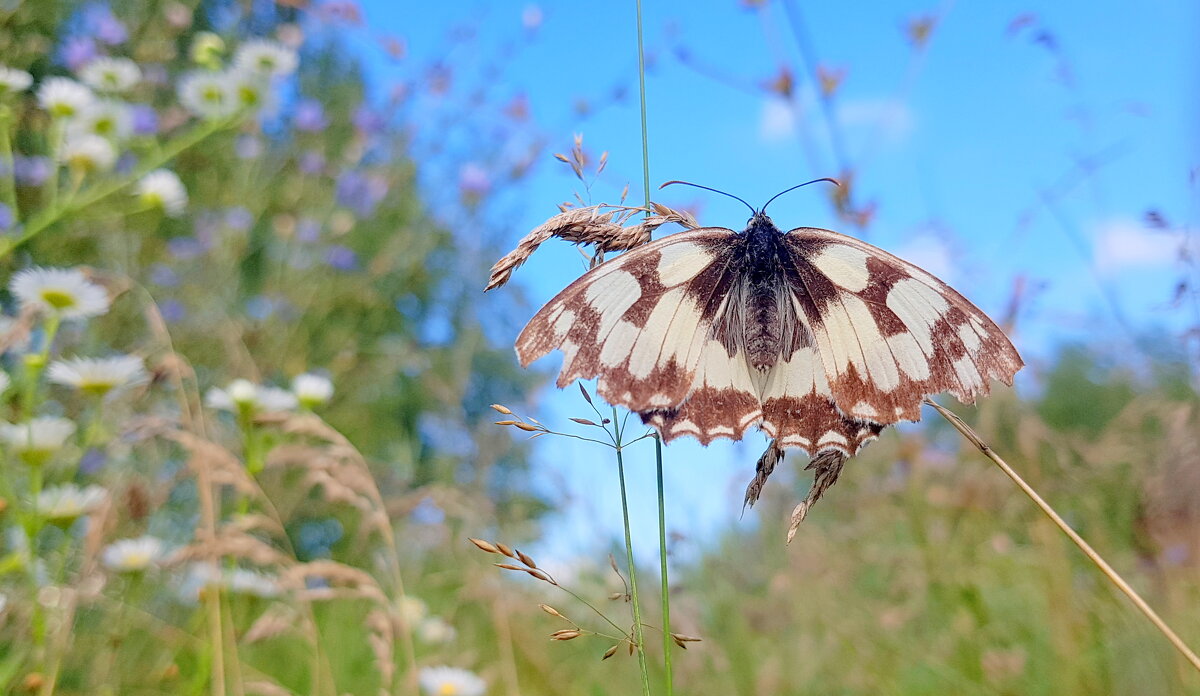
[
  {"x": 639, "y": 322},
  {"x": 888, "y": 333}
]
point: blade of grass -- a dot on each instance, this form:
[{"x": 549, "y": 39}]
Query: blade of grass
[
  {"x": 1088, "y": 551},
  {"x": 633, "y": 588}
]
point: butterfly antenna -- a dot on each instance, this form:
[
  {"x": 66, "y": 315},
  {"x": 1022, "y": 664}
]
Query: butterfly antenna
[
  {"x": 835, "y": 182},
  {"x": 706, "y": 188}
]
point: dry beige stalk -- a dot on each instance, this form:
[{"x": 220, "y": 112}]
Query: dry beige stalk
[
  {"x": 602, "y": 226},
  {"x": 343, "y": 581},
  {"x": 275, "y": 621},
  {"x": 262, "y": 687},
  {"x": 231, "y": 543},
  {"x": 382, "y": 639}
]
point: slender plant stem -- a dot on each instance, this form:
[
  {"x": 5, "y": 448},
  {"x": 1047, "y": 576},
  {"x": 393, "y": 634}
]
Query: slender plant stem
[
  {"x": 668, "y": 680},
  {"x": 662, "y": 559},
  {"x": 1088, "y": 551},
  {"x": 8, "y": 191},
  {"x": 639, "y": 635},
  {"x": 55, "y": 211},
  {"x": 642, "y": 94}
]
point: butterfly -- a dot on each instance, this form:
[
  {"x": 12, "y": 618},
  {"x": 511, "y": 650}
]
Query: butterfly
[{"x": 816, "y": 338}]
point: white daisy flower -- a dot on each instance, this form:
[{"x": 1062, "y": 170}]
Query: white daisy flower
[
  {"x": 3, "y": 602},
  {"x": 274, "y": 399},
  {"x": 13, "y": 80},
  {"x": 98, "y": 376},
  {"x": 208, "y": 94},
  {"x": 132, "y": 555},
  {"x": 238, "y": 394},
  {"x": 251, "y": 91},
  {"x": 162, "y": 188},
  {"x": 107, "y": 118},
  {"x": 249, "y": 582},
  {"x": 65, "y": 291},
  {"x": 265, "y": 58},
  {"x": 312, "y": 390},
  {"x": 5, "y": 381},
  {"x": 436, "y": 630},
  {"x": 62, "y": 505},
  {"x": 450, "y": 681},
  {"x": 113, "y": 75},
  {"x": 88, "y": 153},
  {"x": 37, "y": 440},
  {"x": 64, "y": 97}
]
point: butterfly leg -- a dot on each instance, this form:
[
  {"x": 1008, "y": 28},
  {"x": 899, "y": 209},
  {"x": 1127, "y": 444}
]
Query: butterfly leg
[
  {"x": 766, "y": 464},
  {"x": 829, "y": 466}
]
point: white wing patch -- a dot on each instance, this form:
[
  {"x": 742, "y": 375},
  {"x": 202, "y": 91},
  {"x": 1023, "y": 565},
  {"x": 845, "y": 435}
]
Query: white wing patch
[{"x": 844, "y": 265}]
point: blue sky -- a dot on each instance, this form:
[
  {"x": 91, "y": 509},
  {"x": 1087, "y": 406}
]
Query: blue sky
[{"x": 963, "y": 147}]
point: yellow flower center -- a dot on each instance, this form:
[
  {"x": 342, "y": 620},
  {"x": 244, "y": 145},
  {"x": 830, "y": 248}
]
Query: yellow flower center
[
  {"x": 105, "y": 126},
  {"x": 96, "y": 387},
  {"x": 213, "y": 95},
  {"x": 249, "y": 96},
  {"x": 58, "y": 299},
  {"x": 447, "y": 689}
]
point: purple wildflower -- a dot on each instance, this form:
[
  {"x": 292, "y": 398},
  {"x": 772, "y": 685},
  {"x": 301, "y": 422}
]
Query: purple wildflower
[
  {"x": 312, "y": 162},
  {"x": 104, "y": 25},
  {"x": 145, "y": 120},
  {"x": 308, "y": 230},
  {"x": 185, "y": 248},
  {"x": 164, "y": 276},
  {"x": 6, "y": 218},
  {"x": 31, "y": 171},
  {"x": 367, "y": 121},
  {"x": 77, "y": 52},
  {"x": 239, "y": 218},
  {"x": 172, "y": 310},
  {"x": 473, "y": 180},
  {"x": 360, "y": 193},
  {"x": 341, "y": 258},
  {"x": 310, "y": 116}
]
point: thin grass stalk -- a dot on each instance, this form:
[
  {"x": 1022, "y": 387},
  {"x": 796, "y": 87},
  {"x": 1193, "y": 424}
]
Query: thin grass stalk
[
  {"x": 668, "y": 677},
  {"x": 662, "y": 508},
  {"x": 638, "y": 634},
  {"x": 1088, "y": 551}
]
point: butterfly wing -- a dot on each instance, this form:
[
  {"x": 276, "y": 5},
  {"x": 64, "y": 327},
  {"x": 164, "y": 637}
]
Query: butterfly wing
[
  {"x": 641, "y": 322},
  {"x": 885, "y": 335}
]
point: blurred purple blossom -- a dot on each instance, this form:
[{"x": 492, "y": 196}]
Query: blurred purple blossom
[
  {"x": 367, "y": 120},
  {"x": 77, "y": 52},
  {"x": 239, "y": 218},
  {"x": 185, "y": 248},
  {"x": 361, "y": 193},
  {"x": 155, "y": 74},
  {"x": 104, "y": 25},
  {"x": 308, "y": 230},
  {"x": 341, "y": 258},
  {"x": 164, "y": 276},
  {"x": 310, "y": 116},
  {"x": 427, "y": 512},
  {"x": 248, "y": 147},
  {"x": 93, "y": 460},
  {"x": 312, "y": 162},
  {"x": 6, "y": 218},
  {"x": 125, "y": 163},
  {"x": 473, "y": 180},
  {"x": 31, "y": 171},
  {"x": 145, "y": 119},
  {"x": 172, "y": 310}
]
